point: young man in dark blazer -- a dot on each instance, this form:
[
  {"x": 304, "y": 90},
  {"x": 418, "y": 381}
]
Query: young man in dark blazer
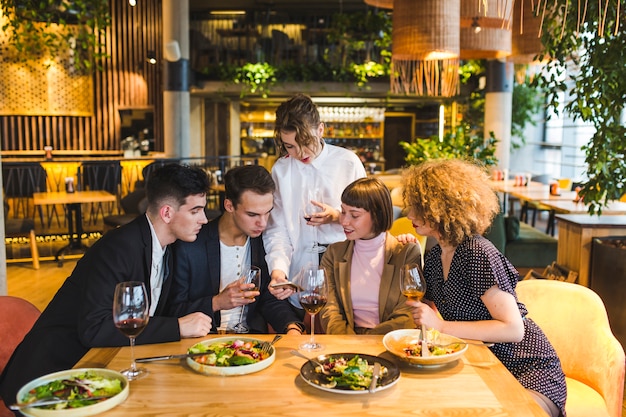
[
  {"x": 79, "y": 316},
  {"x": 207, "y": 270}
]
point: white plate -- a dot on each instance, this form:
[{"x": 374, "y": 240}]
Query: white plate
[
  {"x": 397, "y": 340},
  {"x": 231, "y": 370},
  {"x": 318, "y": 380},
  {"x": 88, "y": 410}
]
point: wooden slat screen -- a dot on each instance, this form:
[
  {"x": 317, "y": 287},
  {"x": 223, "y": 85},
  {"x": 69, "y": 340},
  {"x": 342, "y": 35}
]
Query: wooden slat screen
[{"x": 127, "y": 81}]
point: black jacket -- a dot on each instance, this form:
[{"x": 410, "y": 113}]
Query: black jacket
[
  {"x": 80, "y": 315},
  {"x": 197, "y": 281}
]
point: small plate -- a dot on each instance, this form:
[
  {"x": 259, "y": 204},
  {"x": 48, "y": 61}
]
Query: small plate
[
  {"x": 317, "y": 380},
  {"x": 88, "y": 410},
  {"x": 231, "y": 370},
  {"x": 397, "y": 340}
]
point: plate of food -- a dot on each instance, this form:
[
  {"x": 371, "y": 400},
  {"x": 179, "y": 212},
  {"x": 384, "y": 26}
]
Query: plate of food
[
  {"x": 73, "y": 393},
  {"x": 349, "y": 373},
  {"x": 230, "y": 356},
  {"x": 406, "y": 345}
]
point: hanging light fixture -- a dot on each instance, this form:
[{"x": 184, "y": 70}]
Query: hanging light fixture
[
  {"x": 485, "y": 29},
  {"x": 382, "y": 4},
  {"x": 425, "y": 47},
  {"x": 526, "y": 42}
]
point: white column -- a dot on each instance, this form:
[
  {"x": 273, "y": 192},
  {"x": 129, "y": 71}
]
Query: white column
[
  {"x": 176, "y": 102},
  {"x": 499, "y": 107}
]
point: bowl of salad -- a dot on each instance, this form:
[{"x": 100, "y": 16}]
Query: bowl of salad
[
  {"x": 77, "y": 392},
  {"x": 406, "y": 345},
  {"x": 230, "y": 356}
]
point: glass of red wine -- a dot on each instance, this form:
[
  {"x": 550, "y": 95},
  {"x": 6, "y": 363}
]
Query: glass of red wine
[
  {"x": 308, "y": 211},
  {"x": 131, "y": 311},
  {"x": 313, "y": 297}
]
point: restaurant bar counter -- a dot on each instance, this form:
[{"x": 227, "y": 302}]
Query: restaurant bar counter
[{"x": 476, "y": 385}]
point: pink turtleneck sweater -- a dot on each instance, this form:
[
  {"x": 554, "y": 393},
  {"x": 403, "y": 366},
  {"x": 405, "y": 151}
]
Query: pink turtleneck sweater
[{"x": 366, "y": 273}]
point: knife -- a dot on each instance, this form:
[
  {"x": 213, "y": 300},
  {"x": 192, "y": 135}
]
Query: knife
[
  {"x": 166, "y": 357},
  {"x": 375, "y": 376},
  {"x": 52, "y": 401}
]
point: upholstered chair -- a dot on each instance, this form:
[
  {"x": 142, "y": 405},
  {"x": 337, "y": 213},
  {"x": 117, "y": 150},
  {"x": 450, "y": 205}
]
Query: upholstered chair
[{"x": 574, "y": 319}]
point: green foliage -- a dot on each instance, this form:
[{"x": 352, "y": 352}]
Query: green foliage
[
  {"x": 459, "y": 144},
  {"x": 596, "y": 92},
  {"x": 40, "y": 29},
  {"x": 528, "y": 100},
  {"x": 256, "y": 78}
]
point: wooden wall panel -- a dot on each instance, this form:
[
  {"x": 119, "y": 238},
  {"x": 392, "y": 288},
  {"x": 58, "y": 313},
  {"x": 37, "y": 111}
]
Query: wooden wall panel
[{"x": 127, "y": 81}]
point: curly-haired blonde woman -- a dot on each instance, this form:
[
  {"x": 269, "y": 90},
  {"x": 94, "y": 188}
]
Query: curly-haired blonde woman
[{"x": 470, "y": 283}]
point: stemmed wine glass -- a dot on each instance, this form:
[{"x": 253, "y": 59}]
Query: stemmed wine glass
[
  {"x": 413, "y": 286},
  {"x": 250, "y": 275},
  {"x": 131, "y": 311},
  {"x": 313, "y": 297},
  {"x": 308, "y": 211}
]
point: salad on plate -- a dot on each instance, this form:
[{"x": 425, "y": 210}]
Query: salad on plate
[{"x": 234, "y": 352}]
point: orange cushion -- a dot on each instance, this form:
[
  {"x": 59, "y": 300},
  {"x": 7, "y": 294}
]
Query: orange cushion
[
  {"x": 17, "y": 317},
  {"x": 584, "y": 401}
]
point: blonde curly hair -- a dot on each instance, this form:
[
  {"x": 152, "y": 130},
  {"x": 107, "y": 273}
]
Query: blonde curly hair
[{"x": 453, "y": 196}]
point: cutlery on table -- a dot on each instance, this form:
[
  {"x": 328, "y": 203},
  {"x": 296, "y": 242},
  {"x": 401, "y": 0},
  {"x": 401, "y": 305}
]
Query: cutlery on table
[
  {"x": 166, "y": 357},
  {"x": 319, "y": 364},
  {"x": 375, "y": 376},
  {"x": 424, "y": 344},
  {"x": 52, "y": 401},
  {"x": 266, "y": 346}
]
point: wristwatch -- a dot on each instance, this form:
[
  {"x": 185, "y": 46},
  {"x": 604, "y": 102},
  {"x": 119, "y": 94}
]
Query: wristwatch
[{"x": 295, "y": 324}]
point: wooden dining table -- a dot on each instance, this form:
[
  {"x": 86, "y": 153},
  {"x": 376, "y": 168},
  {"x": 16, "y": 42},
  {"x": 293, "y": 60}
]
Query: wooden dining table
[
  {"x": 73, "y": 202},
  {"x": 476, "y": 385}
]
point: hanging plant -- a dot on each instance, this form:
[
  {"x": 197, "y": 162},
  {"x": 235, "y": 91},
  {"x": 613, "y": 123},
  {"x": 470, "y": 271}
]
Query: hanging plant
[
  {"x": 46, "y": 29},
  {"x": 595, "y": 90}
]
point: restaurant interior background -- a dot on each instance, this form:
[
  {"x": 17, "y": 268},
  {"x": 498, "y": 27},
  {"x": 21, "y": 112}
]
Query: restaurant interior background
[{"x": 119, "y": 111}]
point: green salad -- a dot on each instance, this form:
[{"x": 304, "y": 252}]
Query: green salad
[
  {"x": 78, "y": 390},
  {"x": 350, "y": 374},
  {"x": 230, "y": 353}
]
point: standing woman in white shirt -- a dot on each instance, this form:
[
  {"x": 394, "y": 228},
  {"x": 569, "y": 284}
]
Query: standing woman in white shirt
[{"x": 306, "y": 163}]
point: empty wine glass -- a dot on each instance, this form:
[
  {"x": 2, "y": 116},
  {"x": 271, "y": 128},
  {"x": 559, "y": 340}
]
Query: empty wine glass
[
  {"x": 308, "y": 211},
  {"x": 313, "y": 297},
  {"x": 131, "y": 311},
  {"x": 250, "y": 275}
]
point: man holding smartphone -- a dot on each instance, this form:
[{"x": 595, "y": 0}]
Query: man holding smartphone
[{"x": 207, "y": 272}]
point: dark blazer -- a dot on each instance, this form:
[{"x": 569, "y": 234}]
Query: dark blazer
[
  {"x": 197, "y": 281},
  {"x": 80, "y": 316}
]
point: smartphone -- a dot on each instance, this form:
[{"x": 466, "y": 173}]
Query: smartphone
[{"x": 291, "y": 285}]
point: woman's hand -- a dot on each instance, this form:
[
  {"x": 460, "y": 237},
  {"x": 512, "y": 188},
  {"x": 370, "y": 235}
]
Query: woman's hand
[
  {"x": 424, "y": 315},
  {"x": 326, "y": 216},
  {"x": 405, "y": 238}
]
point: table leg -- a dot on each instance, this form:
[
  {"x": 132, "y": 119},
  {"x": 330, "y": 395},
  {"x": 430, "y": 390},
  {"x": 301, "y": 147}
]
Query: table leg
[{"x": 74, "y": 221}]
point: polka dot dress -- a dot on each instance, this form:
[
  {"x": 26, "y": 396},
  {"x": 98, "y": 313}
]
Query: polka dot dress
[{"x": 477, "y": 266}]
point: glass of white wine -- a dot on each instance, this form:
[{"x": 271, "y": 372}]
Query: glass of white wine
[
  {"x": 413, "y": 286},
  {"x": 251, "y": 275}
]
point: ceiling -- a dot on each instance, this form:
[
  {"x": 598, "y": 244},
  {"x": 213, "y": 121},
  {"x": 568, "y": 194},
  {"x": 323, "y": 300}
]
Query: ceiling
[{"x": 279, "y": 6}]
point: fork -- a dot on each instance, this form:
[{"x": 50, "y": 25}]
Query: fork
[{"x": 267, "y": 346}]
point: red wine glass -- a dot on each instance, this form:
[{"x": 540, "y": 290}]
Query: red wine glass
[{"x": 131, "y": 311}]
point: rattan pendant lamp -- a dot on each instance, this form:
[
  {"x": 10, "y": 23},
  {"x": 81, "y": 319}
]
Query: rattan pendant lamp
[
  {"x": 486, "y": 29},
  {"x": 382, "y": 4},
  {"x": 526, "y": 42},
  {"x": 425, "y": 47}
]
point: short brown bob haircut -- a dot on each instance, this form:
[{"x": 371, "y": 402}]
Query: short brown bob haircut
[{"x": 370, "y": 194}]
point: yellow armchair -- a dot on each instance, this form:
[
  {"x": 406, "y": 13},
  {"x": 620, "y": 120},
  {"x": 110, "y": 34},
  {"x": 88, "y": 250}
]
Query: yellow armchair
[
  {"x": 574, "y": 319},
  {"x": 404, "y": 226}
]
